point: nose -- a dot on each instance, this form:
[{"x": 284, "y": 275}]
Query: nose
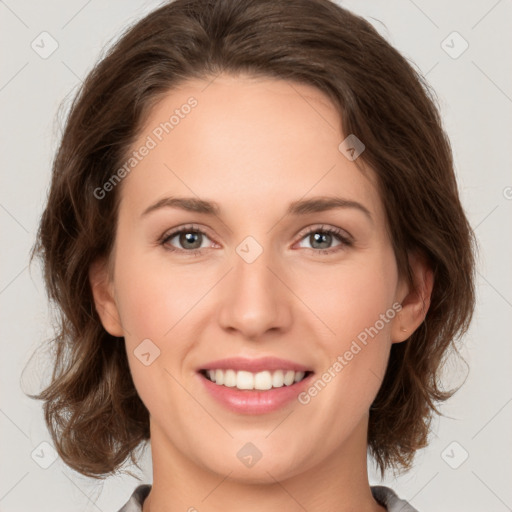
[{"x": 254, "y": 297}]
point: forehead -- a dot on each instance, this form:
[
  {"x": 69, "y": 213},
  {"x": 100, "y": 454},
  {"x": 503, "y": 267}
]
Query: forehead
[{"x": 258, "y": 142}]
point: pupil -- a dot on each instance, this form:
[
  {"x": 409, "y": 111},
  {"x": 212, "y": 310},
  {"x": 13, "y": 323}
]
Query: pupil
[
  {"x": 187, "y": 238},
  {"x": 318, "y": 238}
]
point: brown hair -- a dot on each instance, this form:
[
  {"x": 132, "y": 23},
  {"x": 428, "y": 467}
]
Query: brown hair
[{"x": 92, "y": 409}]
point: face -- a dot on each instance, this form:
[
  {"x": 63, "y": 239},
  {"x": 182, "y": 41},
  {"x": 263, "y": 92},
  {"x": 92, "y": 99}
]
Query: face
[{"x": 274, "y": 281}]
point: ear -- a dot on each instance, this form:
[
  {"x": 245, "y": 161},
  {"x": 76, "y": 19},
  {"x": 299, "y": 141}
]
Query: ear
[
  {"x": 415, "y": 299},
  {"x": 104, "y": 299}
]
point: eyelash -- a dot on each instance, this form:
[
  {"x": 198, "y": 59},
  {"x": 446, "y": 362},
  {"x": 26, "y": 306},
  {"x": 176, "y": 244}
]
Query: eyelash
[{"x": 345, "y": 240}]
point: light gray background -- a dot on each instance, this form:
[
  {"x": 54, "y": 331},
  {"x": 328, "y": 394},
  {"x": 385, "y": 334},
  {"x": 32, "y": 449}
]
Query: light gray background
[{"x": 475, "y": 93}]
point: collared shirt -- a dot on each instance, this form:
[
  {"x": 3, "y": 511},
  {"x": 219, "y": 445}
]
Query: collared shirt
[{"x": 384, "y": 495}]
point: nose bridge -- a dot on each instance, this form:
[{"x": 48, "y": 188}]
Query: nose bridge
[{"x": 254, "y": 300}]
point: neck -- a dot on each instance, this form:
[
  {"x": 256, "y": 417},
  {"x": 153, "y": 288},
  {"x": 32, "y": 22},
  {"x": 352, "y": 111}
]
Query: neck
[{"x": 338, "y": 484}]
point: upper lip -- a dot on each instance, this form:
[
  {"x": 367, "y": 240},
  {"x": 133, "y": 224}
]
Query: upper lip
[{"x": 254, "y": 365}]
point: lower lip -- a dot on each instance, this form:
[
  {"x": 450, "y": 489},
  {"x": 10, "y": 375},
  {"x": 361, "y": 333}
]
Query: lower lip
[{"x": 254, "y": 401}]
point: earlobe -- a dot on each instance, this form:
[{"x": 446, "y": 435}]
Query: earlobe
[
  {"x": 104, "y": 300},
  {"x": 416, "y": 301}
]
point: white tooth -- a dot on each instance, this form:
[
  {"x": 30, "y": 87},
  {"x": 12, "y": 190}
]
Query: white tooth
[
  {"x": 263, "y": 380},
  {"x": 299, "y": 376},
  {"x": 230, "y": 378},
  {"x": 244, "y": 380},
  {"x": 288, "y": 377},
  {"x": 278, "y": 379}
]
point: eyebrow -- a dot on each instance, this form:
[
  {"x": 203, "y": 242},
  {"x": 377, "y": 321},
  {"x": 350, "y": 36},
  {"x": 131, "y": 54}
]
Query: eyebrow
[{"x": 300, "y": 207}]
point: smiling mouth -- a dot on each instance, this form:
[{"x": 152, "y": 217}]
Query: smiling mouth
[{"x": 259, "y": 381}]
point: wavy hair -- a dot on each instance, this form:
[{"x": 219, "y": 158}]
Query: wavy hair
[{"x": 91, "y": 406}]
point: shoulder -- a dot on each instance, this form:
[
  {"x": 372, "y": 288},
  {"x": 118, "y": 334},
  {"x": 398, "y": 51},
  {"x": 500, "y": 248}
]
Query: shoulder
[
  {"x": 388, "y": 498},
  {"x": 134, "y": 504}
]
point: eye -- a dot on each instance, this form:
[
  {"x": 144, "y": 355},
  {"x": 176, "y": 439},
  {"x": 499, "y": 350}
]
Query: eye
[
  {"x": 190, "y": 238},
  {"x": 321, "y": 239}
]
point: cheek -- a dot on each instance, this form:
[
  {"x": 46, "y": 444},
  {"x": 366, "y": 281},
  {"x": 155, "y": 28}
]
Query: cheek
[
  {"x": 151, "y": 298},
  {"x": 359, "y": 311},
  {"x": 150, "y": 310},
  {"x": 150, "y": 305},
  {"x": 356, "y": 297},
  {"x": 143, "y": 307}
]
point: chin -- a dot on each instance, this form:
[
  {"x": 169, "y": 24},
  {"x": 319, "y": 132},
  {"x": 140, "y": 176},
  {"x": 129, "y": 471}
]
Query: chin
[{"x": 271, "y": 466}]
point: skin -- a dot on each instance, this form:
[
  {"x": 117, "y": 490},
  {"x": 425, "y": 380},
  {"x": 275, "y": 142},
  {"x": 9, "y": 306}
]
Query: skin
[{"x": 254, "y": 146}]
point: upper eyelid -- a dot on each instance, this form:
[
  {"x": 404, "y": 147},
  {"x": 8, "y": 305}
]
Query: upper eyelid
[
  {"x": 323, "y": 227},
  {"x": 176, "y": 231}
]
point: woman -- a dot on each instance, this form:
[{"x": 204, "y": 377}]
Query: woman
[{"x": 329, "y": 271}]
